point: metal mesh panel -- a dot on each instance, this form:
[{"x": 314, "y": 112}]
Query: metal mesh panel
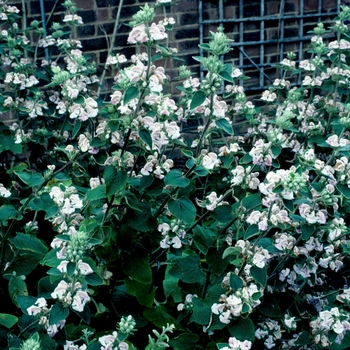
[{"x": 264, "y": 31}]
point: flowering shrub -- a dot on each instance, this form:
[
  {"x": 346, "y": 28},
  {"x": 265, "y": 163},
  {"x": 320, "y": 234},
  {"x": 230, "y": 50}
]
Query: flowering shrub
[{"x": 105, "y": 231}]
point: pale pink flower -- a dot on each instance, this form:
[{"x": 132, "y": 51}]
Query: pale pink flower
[{"x": 210, "y": 161}]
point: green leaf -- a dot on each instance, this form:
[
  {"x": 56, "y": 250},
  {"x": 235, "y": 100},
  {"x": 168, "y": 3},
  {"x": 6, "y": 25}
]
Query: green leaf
[
  {"x": 25, "y": 263},
  {"x": 236, "y": 282},
  {"x": 246, "y": 159},
  {"x": 198, "y": 98},
  {"x": 185, "y": 341},
  {"x": 203, "y": 238},
  {"x": 231, "y": 251},
  {"x": 202, "y": 308},
  {"x": 96, "y": 193},
  {"x": 259, "y": 274},
  {"x": 270, "y": 307},
  {"x": 25, "y": 301},
  {"x": 143, "y": 221},
  {"x": 94, "y": 279},
  {"x": 115, "y": 179},
  {"x": 171, "y": 286},
  {"x": 216, "y": 264},
  {"x": 44, "y": 202},
  {"x": 76, "y": 128},
  {"x": 36, "y": 180},
  {"x": 17, "y": 287},
  {"x": 276, "y": 151},
  {"x": 345, "y": 190},
  {"x": 7, "y": 212},
  {"x": 183, "y": 209},
  {"x": 138, "y": 269},
  {"x": 97, "y": 142},
  {"x": 226, "y": 76},
  {"x": 58, "y": 313},
  {"x": 187, "y": 269},
  {"x": 140, "y": 291},
  {"x": 176, "y": 179},
  {"x": 223, "y": 214},
  {"x": 242, "y": 329},
  {"x": 146, "y": 137},
  {"x": 303, "y": 339},
  {"x": 307, "y": 231},
  {"x": 158, "y": 316},
  {"x": 225, "y": 125},
  {"x": 7, "y": 142},
  {"x": 252, "y": 231},
  {"x": 131, "y": 93},
  {"x": 200, "y": 171},
  {"x": 29, "y": 243},
  {"x": 45, "y": 288},
  {"x": 145, "y": 182},
  {"x": 8, "y": 320},
  {"x": 251, "y": 201},
  {"x": 204, "y": 46}
]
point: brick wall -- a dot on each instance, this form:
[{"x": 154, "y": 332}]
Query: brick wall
[{"x": 99, "y": 17}]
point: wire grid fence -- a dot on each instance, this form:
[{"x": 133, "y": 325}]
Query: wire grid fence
[{"x": 262, "y": 37}]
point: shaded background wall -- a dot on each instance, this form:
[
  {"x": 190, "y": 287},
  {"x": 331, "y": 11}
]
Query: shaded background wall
[{"x": 190, "y": 16}]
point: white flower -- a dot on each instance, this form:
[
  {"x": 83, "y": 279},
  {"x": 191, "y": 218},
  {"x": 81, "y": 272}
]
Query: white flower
[
  {"x": 268, "y": 96},
  {"x": 79, "y": 300},
  {"x": 84, "y": 268},
  {"x": 84, "y": 143},
  {"x": 4, "y": 192},
  {"x": 210, "y": 161},
  {"x": 60, "y": 290}
]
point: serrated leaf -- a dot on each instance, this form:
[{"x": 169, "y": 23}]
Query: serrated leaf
[
  {"x": 198, "y": 98},
  {"x": 29, "y": 243},
  {"x": 115, "y": 179},
  {"x": 183, "y": 209},
  {"x": 131, "y": 93},
  {"x": 187, "y": 269},
  {"x": 7, "y": 212},
  {"x": 96, "y": 193}
]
